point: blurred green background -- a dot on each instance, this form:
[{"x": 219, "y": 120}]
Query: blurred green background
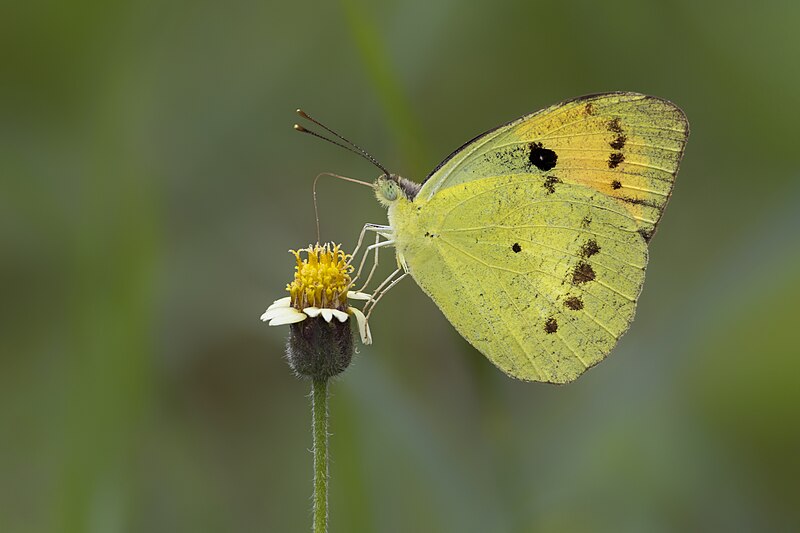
[{"x": 151, "y": 185}]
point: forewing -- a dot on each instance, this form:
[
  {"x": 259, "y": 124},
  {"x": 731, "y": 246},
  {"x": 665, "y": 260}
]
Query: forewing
[
  {"x": 625, "y": 145},
  {"x": 541, "y": 277}
]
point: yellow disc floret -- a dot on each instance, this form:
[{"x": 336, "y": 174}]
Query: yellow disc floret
[{"x": 322, "y": 279}]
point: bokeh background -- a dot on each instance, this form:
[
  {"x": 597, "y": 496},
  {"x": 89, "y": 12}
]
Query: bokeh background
[{"x": 151, "y": 185}]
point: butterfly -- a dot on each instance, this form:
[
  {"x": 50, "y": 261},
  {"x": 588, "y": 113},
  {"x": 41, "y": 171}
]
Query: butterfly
[{"x": 532, "y": 237}]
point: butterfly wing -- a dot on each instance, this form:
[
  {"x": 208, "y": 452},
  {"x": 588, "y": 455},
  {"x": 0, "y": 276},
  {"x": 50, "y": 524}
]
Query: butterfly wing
[
  {"x": 542, "y": 282},
  {"x": 532, "y": 238},
  {"x": 625, "y": 145}
]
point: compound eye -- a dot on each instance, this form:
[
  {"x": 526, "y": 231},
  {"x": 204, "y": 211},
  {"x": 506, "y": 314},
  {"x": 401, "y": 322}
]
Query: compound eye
[{"x": 391, "y": 191}]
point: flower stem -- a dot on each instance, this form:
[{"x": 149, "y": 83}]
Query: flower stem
[{"x": 319, "y": 410}]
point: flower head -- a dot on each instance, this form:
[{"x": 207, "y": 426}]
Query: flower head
[
  {"x": 322, "y": 279},
  {"x": 318, "y": 295}
]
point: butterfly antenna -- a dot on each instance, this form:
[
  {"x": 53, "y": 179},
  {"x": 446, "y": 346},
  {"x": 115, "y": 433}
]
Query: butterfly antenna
[{"x": 351, "y": 146}]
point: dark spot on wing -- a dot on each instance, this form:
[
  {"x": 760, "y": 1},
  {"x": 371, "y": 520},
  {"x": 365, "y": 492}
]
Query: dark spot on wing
[
  {"x": 516, "y": 247},
  {"x": 638, "y": 201},
  {"x": 620, "y": 140},
  {"x": 588, "y": 108},
  {"x": 574, "y": 303},
  {"x": 586, "y": 221},
  {"x": 550, "y": 325},
  {"x": 646, "y": 234},
  {"x": 615, "y": 159},
  {"x": 590, "y": 248},
  {"x": 550, "y": 183},
  {"x": 616, "y": 185},
  {"x": 583, "y": 272},
  {"x": 614, "y": 125},
  {"x": 542, "y": 158}
]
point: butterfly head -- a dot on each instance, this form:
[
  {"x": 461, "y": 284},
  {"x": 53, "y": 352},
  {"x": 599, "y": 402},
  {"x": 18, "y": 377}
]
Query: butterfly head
[{"x": 390, "y": 188}]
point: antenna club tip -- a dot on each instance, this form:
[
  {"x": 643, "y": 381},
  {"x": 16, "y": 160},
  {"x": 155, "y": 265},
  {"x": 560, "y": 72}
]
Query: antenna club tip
[
  {"x": 302, "y": 113},
  {"x": 298, "y": 127}
]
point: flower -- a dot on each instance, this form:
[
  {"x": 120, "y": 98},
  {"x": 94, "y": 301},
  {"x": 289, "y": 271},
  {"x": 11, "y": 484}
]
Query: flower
[{"x": 321, "y": 288}]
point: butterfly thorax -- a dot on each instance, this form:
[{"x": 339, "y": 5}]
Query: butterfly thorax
[{"x": 414, "y": 230}]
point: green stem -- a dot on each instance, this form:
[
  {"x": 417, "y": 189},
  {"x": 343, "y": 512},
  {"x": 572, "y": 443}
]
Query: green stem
[{"x": 319, "y": 410}]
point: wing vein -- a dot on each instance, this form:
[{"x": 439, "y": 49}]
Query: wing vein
[
  {"x": 571, "y": 254},
  {"x": 540, "y": 226},
  {"x": 508, "y": 328}
]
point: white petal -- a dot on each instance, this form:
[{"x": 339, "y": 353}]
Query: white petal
[
  {"x": 281, "y": 302},
  {"x": 363, "y": 327},
  {"x": 312, "y": 311},
  {"x": 269, "y": 314},
  {"x": 327, "y": 314},
  {"x": 290, "y": 316},
  {"x": 355, "y": 295},
  {"x": 341, "y": 315}
]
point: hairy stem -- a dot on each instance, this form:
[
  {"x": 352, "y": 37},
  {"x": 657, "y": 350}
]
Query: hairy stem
[{"x": 319, "y": 410}]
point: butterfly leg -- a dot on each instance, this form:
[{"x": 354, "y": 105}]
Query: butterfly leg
[
  {"x": 380, "y": 291},
  {"x": 381, "y": 231},
  {"x": 377, "y": 228},
  {"x": 377, "y": 247},
  {"x": 380, "y": 287},
  {"x": 361, "y": 266}
]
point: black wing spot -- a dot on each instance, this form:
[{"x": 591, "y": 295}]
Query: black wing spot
[
  {"x": 542, "y": 158},
  {"x": 583, "y": 273},
  {"x": 619, "y": 142},
  {"x": 646, "y": 234},
  {"x": 551, "y": 325},
  {"x": 590, "y": 248},
  {"x": 574, "y": 303},
  {"x": 588, "y": 108},
  {"x": 616, "y": 185},
  {"x": 586, "y": 221},
  {"x": 516, "y": 247},
  {"x": 614, "y": 126},
  {"x": 550, "y": 183},
  {"x": 615, "y": 159}
]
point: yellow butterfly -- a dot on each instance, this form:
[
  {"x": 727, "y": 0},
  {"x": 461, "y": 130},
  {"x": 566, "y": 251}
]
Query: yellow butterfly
[{"x": 532, "y": 237}]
